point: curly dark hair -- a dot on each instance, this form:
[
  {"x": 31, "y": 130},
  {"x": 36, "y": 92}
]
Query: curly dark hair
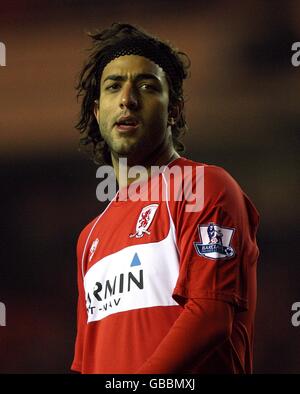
[{"x": 88, "y": 86}]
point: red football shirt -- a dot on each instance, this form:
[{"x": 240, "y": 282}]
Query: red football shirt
[{"x": 139, "y": 261}]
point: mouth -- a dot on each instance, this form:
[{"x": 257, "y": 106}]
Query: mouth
[{"x": 127, "y": 124}]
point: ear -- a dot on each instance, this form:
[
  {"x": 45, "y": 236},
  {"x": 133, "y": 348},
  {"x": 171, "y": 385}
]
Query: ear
[
  {"x": 96, "y": 109},
  {"x": 175, "y": 112}
]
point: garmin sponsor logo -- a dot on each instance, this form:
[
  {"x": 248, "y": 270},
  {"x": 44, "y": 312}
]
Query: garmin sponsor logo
[
  {"x": 107, "y": 295},
  {"x": 2, "y": 314},
  {"x": 2, "y": 54},
  {"x": 130, "y": 279}
]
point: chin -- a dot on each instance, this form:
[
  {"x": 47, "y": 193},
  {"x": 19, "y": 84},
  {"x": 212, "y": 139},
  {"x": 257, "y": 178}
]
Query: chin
[
  {"x": 125, "y": 152},
  {"x": 126, "y": 149}
]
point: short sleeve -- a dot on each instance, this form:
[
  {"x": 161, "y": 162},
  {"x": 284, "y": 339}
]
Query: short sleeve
[{"x": 217, "y": 244}]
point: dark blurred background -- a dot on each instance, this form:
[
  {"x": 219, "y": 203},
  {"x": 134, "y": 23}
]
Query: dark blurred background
[{"x": 243, "y": 112}]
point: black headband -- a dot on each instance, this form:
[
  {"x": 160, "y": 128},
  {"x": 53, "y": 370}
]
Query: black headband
[{"x": 151, "y": 49}]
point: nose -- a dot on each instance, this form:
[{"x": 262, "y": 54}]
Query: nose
[{"x": 129, "y": 98}]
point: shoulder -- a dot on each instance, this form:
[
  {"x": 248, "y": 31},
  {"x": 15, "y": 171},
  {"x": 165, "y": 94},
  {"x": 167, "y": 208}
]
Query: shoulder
[
  {"x": 212, "y": 172},
  {"x": 204, "y": 187},
  {"x": 220, "y": 185},
  {"x": 211, "y": 181}
]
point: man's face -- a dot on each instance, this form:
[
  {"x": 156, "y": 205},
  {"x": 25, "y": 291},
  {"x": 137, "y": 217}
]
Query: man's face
[{"x": 133, "y": 86}]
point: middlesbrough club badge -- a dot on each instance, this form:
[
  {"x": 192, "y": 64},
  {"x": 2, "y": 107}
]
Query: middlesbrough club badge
[{"x": 144, "y": 221}]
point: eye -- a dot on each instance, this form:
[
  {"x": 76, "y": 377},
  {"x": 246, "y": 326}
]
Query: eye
[
  {"x": 113, "y": 87},
  {"x": 148, "y": 86}
]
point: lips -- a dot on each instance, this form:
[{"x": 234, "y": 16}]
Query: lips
[{"x": 127, "y": 123}]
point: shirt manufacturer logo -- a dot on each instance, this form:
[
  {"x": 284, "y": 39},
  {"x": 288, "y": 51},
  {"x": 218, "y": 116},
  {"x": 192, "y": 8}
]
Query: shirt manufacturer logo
[{"x": 93, "y": 248}]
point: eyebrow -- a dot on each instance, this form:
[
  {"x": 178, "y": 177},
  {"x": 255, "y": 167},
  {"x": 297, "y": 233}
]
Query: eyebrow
[{"x": 139, "y": 77}]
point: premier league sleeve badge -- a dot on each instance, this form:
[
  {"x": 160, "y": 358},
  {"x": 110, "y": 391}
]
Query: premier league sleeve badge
[{"x": 215, "y": 242}]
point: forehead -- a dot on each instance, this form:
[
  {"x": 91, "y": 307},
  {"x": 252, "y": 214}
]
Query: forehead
[{"x": 132, "y": 65}]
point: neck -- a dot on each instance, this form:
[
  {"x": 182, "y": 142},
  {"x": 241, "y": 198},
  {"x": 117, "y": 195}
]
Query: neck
[{"x": 122, "y": 167}]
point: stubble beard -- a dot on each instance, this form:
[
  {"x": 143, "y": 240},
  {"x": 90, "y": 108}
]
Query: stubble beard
[
  {"x": 136, "y": 150},
  {"x": 124, "y": 145}
]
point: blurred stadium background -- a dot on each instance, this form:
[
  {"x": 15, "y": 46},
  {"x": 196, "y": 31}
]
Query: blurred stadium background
[{"x": 244, "y": 115}]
